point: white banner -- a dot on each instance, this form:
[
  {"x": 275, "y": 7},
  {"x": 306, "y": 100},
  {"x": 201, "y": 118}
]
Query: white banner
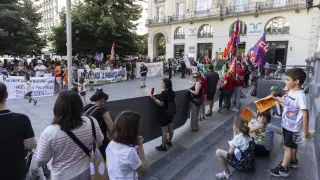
[
  {"x": 99, "y": 76},
  {"x": 186, "y": 61},
  {"x": 154, "y": 69},
  {"x": 41, "y": 86}
]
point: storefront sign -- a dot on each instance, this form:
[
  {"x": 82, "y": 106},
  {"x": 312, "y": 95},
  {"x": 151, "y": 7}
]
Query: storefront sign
[
  {"x": 40, "y": 86},
  {"x": 255, "y": 28},
  {"x": 99, "y": 76},
  {"x": 193, "y": 31},
  {"x": 154, "y": 69}
]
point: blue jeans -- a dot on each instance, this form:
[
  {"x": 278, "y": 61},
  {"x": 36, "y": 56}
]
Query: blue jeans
[
  {"x": 225, "y": 94},
  {"x": 237, "y": 96}
]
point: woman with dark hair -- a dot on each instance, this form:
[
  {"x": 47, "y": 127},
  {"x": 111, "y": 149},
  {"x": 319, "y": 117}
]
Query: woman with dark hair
[
  {"x": 124, "y": 161},
  {"x": 167, "y": 110},
  {"x": 97, "y": 110},
  {"x": 69, "y": 161},
  {"x": 196, "y": 100}
]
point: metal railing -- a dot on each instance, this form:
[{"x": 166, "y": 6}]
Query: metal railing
[
  {"x": 179, "y": 36},
  {"x": 205, "y": 35},
  {"x": 219, "y": 12},
  {"x": 275, "y": 71}
]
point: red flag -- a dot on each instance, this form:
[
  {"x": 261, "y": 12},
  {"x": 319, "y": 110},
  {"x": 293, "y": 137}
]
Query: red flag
[{"x": 112, "y": 52}]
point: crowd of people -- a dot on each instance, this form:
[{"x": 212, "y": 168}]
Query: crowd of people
[{"x": 70, "y": 136}]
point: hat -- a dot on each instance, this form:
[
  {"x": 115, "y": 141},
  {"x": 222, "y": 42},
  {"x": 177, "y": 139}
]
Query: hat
[
  {"x": 274, "y": 88},
  {"x": 40, "y": 62},
  {"x": 286, "y": 88}
]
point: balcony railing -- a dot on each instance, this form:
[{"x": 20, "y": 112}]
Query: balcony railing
[
  {"x": 205, "y": 35},
  {"x": 254, "y": 7},
  {"x": 179, "y": 36}
]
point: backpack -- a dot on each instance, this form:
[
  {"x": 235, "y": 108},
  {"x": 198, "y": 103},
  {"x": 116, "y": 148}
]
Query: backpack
[{"x": 171, "y": 109}]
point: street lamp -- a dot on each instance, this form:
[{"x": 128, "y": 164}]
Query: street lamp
[
  {"x": 309, "y": 5},
  {"x": 69, "y": 42}
]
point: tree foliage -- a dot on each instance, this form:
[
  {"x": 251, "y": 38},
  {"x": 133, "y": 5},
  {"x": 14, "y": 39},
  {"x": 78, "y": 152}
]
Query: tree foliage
[
  {"x": 96, "y": 24},
  {"x": 19, "y": 32}
]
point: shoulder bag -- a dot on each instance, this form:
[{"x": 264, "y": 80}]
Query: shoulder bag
[{"x": 98, "y": 167}]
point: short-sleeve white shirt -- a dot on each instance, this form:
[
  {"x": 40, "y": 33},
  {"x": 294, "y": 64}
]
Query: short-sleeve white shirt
[{"x": 123, "y": 161}]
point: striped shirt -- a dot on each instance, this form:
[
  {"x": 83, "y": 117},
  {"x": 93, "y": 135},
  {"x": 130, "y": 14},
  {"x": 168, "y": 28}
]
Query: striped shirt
[{"x": 68, "y": 159}]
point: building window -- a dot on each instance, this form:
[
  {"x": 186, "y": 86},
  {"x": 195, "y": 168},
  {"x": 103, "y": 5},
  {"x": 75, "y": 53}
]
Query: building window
[
  {"x": 243, "y": 28},
  {"x": 277, "y": 25},
  {"x": 179, "y": 33},
  {"x": 180, "y": 11},
  {"x": 205, "y": 31}
]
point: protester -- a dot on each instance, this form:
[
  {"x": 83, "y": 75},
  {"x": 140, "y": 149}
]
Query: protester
[
  {"x": 28, "y": 88},
  {"x": 295, "y": 112},
  {"x": 69, "y": 161},
  {"x": 128, "y": 70},
  {"x": 238, "y": 87},
  {"x": 100, "y": 113},
  {"x": 40, "y": 69},
  {"x": 124, "y": 160},
  {"x": 202, "y": 107},
  {"x": 277, "y": 109},
  {"x": 196, "y": 93},
  {"x": 226, "y": 89},
  {"x": 82, "y": 89},
  {"x": 16, "y": 136},
  {"x": 183, "y": 69},
  {"x": 241, "y": 152},
  {"x": 167, "y": 110},
  {"x": 57, "y": 75},
  {"x": 143, "y": 73},
  {"x": 264, "y": 132},
  {"x": 212, "y": 80},
  {"x": 65, "y": 76}
]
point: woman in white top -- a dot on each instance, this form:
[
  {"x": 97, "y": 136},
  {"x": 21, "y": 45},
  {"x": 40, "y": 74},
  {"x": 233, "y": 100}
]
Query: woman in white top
[
  {"x": 124, "y": 160},
  {"x": 69, "y": 161},
  {"x": 40, "y": 69}
]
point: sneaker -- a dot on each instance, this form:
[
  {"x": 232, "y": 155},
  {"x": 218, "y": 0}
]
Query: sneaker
[
  {"x": 293, "y": 164},
  {"x": 169, "y": 144},
  {"x": 234, "y": 110},
  {"x": 219, "y": 110},
  {"x": 208, "y": 114},
  {"x": 222, "y": 175},
  {"x": 35, "y": 103},
  {"x": 161, "y": 148},
  {"x": 279, "y": 171},
  {"x": 30, "y": 100}
]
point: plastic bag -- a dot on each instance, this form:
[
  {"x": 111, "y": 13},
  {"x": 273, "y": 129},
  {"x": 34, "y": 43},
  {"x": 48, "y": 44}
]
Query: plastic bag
[
  {"x": 38, "y": 173},
  {"x": 300, "y": 138}
]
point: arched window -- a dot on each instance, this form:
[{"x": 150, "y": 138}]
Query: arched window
[
  {"x": 205, "y": 31},
  {"x": 179, "y": 33},
  {"x": 277, "y": 25},
  {"x": 243, "y": 28}
]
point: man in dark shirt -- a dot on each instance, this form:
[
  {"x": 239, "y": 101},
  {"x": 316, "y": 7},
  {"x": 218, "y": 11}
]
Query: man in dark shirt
[
  {"x": 212, "y": 81},
  {"x": 16, "y": 135}
]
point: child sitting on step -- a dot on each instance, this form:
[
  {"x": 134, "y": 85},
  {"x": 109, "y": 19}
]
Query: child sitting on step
[
  {"x": 263, "y": 133},
  {"x": 241, "y": 152}
]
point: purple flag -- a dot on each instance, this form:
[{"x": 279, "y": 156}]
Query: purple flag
[
  {"x": 236, "y": 40},
  {"x": 258, "y": 53},
  {"x": 97, "y": 57}
]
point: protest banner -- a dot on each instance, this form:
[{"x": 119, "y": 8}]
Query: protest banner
[
  {"x": 41, "y": 86},
  {"x": 186, "y": 61},
  {"x": 265, "y": 103},
  {"x": 154, "y": 69},
  {"x": 99, "y": 76}
]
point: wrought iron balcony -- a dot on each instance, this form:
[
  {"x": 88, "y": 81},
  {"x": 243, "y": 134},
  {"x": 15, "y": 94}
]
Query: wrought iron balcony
[
  {"x": 179, "y": 36},
  {"x": 205, "y": 35},
  {"x": 220, "y": 13},
  {"x": 159, "y": 1}
]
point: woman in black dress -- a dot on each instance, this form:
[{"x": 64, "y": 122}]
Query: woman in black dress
[
  {"x": 97, "y": 110},
  {"x": 167, "y": 109}
]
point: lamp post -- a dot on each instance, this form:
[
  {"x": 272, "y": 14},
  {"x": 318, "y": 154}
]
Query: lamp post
[{"x": 69, "y": 43}]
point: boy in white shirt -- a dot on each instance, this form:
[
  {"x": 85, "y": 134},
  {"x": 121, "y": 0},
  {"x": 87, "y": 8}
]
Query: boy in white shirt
[{"x": 295, "y": 114}]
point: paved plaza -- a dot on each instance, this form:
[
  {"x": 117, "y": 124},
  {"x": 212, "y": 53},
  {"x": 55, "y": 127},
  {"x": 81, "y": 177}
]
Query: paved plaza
[{"x": 192, "y": 155}]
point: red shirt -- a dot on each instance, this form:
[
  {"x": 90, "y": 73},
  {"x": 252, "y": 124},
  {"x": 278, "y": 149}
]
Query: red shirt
[
  {"x": 230, "y": 84},
  {"x": 239, "y": 83},
  {"x": 204, "y": 87}
]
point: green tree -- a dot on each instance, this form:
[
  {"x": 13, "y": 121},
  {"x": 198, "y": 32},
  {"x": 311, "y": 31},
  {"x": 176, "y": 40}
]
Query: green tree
[
  {"x": 19, "y": 32},
  {"x": 96, "y": 24}
]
